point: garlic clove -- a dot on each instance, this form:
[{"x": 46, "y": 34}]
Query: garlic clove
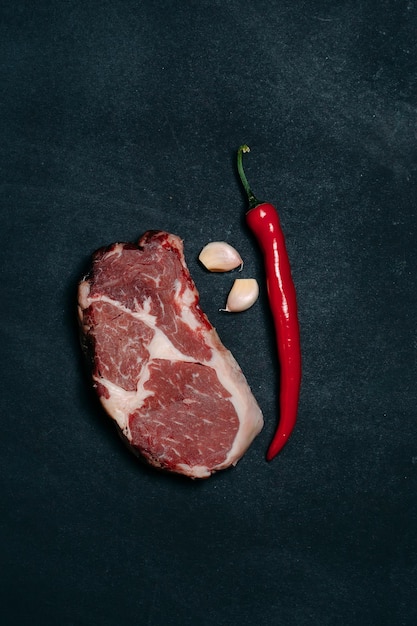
[
  {"x": 242, "y": 296},
  {"x": 219, "y": 256}
]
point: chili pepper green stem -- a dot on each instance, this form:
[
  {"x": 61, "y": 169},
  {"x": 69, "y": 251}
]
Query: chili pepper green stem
[{"x": 253, "y": 201}]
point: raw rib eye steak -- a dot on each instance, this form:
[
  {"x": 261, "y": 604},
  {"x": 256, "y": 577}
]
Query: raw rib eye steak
[{"x": 177, "y": 395}]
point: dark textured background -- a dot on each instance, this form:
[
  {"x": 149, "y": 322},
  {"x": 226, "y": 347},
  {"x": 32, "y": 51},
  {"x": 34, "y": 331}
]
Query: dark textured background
[{"x": 120, "y": 116}]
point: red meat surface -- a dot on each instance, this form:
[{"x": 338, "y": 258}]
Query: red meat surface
[{"x": 176, "y": 393}]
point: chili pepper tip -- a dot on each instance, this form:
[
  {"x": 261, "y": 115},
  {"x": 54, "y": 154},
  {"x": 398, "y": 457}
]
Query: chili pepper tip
[{"x": 274, "y": 449}]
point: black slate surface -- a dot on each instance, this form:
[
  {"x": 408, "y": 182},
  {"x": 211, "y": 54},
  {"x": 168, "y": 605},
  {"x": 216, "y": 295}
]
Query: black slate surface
[{"x": 118, "y": 117}]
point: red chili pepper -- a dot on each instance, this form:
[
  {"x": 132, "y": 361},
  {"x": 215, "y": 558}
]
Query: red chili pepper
[{"x": 262, "y": 218}]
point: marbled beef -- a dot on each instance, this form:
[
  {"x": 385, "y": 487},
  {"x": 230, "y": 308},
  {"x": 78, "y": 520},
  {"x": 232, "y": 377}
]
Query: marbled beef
[{"x": 177, "y": 395}]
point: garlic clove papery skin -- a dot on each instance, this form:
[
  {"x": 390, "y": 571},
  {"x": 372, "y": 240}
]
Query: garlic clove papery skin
[
  {"x": 242, "y": 296},
  {"x": 219, "y": 256}
]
